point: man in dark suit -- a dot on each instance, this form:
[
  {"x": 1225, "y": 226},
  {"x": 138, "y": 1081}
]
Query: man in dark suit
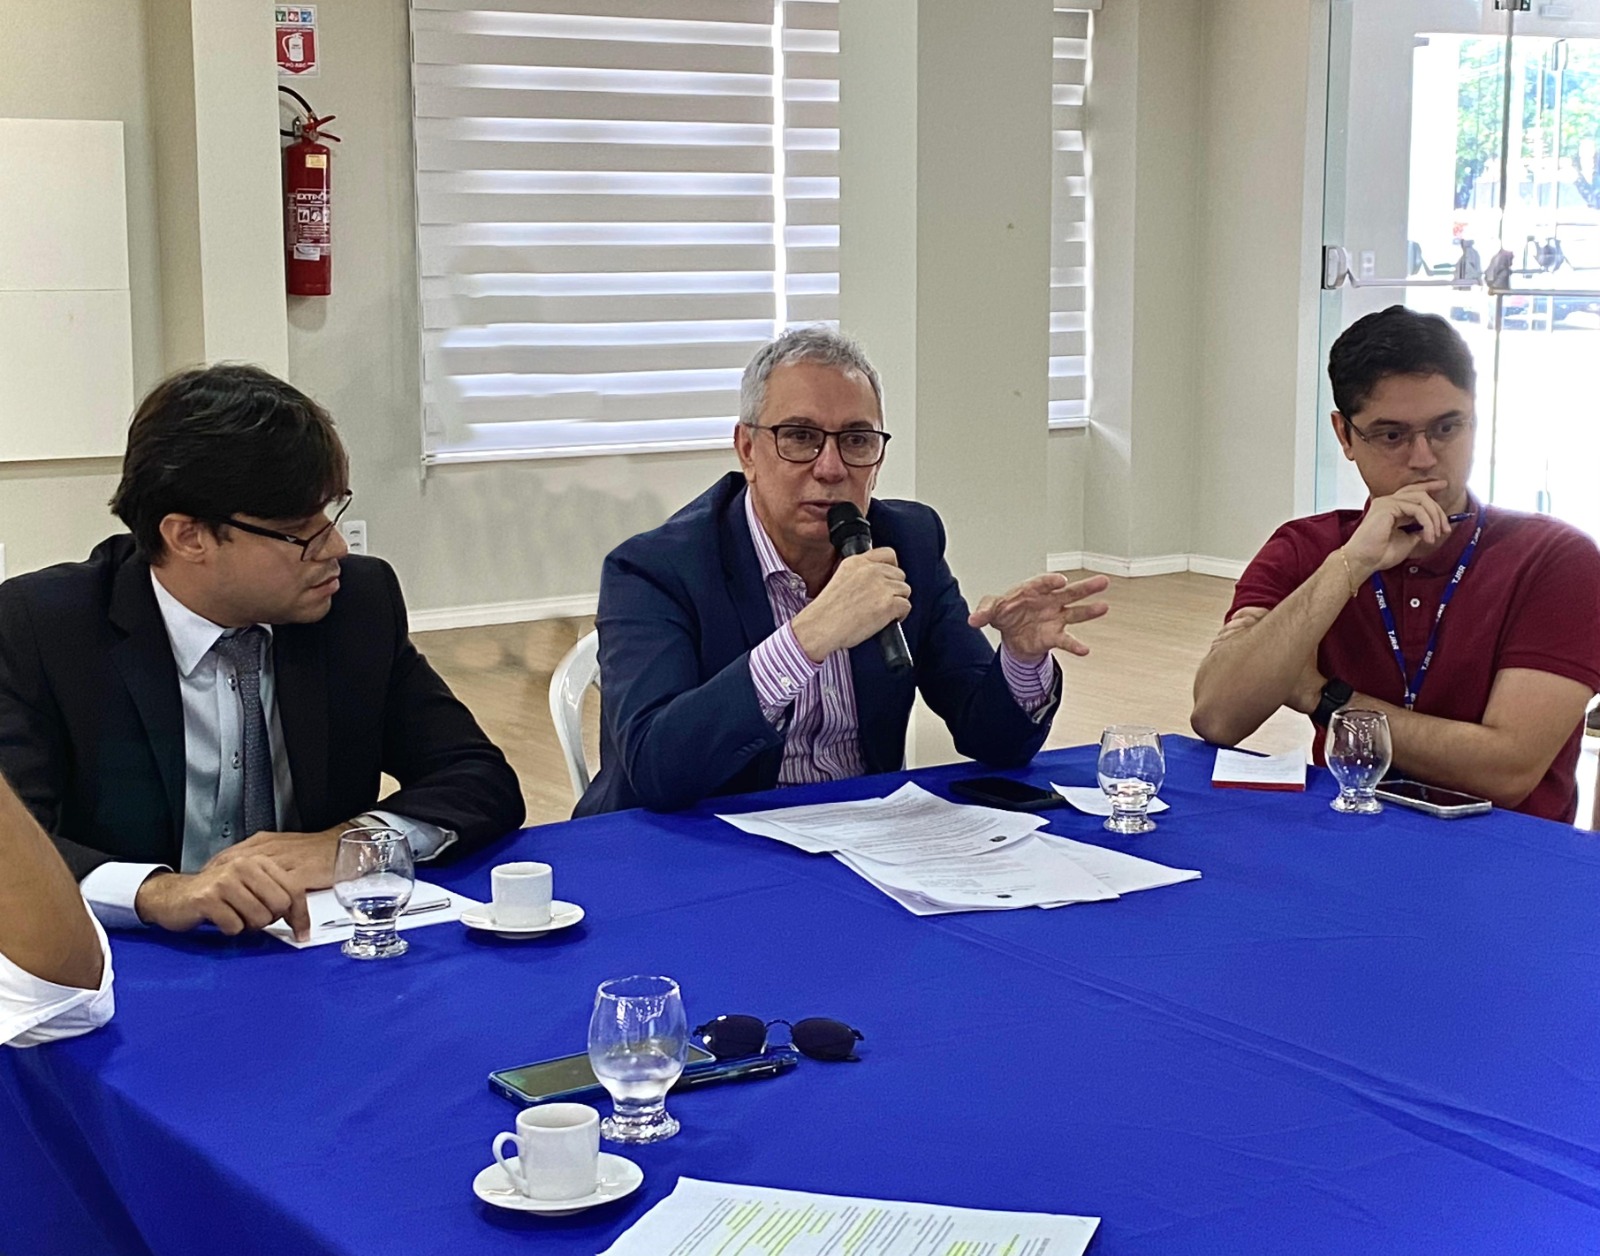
[
  {"x": 198, "y": 710},
  {"x": 738, "y": 651}
]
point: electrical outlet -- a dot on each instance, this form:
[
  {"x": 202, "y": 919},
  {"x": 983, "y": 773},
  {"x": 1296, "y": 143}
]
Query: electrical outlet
[
  {"x": 355, "y": 534},
  {"x": 1369, "y": 264}
]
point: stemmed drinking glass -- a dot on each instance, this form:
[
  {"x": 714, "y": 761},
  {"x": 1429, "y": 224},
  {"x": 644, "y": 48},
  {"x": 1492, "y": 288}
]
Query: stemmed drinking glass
[
  {"x": 1358, "y": 753},
  {"x": 1132, "y": 767},
  {"x": 373, "y": 875},
  {"x": 637, "y": 1039}
]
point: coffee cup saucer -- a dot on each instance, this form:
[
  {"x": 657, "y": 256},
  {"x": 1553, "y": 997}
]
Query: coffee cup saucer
[
  {"x": 562, "y": 916},
  {"x": 618, "y": 1177}
]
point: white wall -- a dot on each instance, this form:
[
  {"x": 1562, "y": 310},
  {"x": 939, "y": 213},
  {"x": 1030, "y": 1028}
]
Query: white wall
[
  {"x": 1144, "y": 110},
  {"x": 1202, "y": 362},
  {"x": 1258, "y": 291},
  {"x": 461, "y": 535},
  {"x": 82, "y": 59}
]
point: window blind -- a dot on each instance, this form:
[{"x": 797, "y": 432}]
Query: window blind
[
  {"x": 602, "y": 233},
  {"x": 1070, "y": 219}
]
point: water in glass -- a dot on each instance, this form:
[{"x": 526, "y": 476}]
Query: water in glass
[
  {"x": 1132, "y": 767},
  {"x": 373, "y": 876},
  {"x": 638, "y": 1036},
  {"x": 1358, "y": 753}
]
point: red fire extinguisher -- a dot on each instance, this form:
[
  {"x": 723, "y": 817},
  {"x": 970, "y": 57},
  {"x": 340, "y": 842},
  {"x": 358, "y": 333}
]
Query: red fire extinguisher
[{"x": 308, "y": 204}]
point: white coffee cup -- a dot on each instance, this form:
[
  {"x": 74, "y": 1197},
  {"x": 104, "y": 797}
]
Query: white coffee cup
[
  {"x": 558, "y": 1151},
  {"x": 521, "y": 894}
]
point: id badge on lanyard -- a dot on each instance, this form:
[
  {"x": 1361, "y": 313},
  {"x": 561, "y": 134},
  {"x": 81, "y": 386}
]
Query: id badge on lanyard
[{"x": 1413, "y": 684}]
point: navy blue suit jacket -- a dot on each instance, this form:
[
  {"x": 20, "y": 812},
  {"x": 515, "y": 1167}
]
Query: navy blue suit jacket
[{"x": 681, "y": 607}]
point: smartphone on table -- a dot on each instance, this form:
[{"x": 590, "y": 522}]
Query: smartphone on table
[
  {"x": 1003, "y": 792},
  {"x": 1447, "y": 804},
  {"x": 571, "y": 1077}
]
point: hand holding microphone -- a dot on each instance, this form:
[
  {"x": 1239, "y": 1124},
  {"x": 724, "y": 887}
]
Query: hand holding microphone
[{"x": 867, "y": 595}]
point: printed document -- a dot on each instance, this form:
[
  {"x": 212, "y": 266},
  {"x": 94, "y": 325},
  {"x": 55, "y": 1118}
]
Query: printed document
[
  {"x": 1029, "y": 874},
  {"x": 715, "y": 1219},
  {"x": 1123, "y": 874},
  {"x": 908, "y": 826}
]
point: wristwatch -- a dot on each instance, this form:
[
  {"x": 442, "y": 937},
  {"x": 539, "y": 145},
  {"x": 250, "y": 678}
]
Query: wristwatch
[{"x": 1334, "y": 695}]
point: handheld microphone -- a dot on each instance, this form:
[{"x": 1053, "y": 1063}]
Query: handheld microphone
[{"x": 851, "y": 535}]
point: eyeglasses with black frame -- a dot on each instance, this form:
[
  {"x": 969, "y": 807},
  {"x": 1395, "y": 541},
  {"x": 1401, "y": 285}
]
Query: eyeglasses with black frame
[
  {"x": 311, "y": 547},
  {"x": 1395, "y": 439},
  {"x": 800, "y": 442},
  {"x": 820, "y": 1037}
]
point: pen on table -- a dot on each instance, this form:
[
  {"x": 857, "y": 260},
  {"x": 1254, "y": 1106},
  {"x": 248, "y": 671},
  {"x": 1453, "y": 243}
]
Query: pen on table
[
  {"x": 409, "y": 911},
  {"x": 758, "y": 1066},
  {"x": 1417, "y": 527}
]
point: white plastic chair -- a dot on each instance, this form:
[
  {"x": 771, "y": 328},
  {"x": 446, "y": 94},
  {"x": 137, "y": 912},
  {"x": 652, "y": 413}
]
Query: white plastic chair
[{"x": 569, "y": 686}]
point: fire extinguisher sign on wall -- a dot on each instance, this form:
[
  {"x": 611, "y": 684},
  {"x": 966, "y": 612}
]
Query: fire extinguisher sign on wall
[
  {"x": 297, "y": 40},
  {"x": 307, "y": 203}
]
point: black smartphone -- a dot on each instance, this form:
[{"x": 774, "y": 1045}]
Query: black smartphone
[
  {"x": 1002, "y": 791},
  {"x": 568, "y": 1077},
  {"x": 1447, "y": 804}
]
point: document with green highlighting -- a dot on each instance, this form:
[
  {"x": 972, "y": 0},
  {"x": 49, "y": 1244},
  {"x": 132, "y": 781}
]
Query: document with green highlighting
[{"x": 721, "y": 1219}]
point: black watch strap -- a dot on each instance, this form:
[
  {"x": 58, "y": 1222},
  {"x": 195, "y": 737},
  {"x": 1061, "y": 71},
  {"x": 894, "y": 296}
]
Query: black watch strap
[{"x": 1334, "y": 695}]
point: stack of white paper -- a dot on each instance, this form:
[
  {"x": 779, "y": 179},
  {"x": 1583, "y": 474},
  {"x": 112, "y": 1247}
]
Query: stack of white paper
[
  {"x": 430, "y": 905},
  {"x": 715, "y": 1218},
  {"x": 932, "y": 856},
  {"x": 1244, "y": 769}
]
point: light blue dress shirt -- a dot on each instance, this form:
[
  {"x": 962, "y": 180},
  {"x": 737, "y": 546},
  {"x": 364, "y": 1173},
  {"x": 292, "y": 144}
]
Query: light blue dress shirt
[{"x": 213, "y": 741}]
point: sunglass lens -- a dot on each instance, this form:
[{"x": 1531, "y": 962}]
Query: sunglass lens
[
  {"x": 825, "y": 1039},
  {"x": 730, "y": 1036}
]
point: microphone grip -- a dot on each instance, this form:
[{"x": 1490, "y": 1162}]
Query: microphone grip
[
  {"x": 896, "y": 653},
  {"x": 891, "y": 638}
]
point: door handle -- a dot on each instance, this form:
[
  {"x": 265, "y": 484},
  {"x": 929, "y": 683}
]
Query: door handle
[{"x": 1336, "y": 274}]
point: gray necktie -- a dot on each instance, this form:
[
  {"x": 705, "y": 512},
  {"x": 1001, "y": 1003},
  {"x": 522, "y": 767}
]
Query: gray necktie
[{"x": 243, "y": 651}]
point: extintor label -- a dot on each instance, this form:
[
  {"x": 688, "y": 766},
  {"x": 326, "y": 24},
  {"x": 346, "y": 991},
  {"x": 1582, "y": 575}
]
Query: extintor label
[{"x": 310, "y": 221}]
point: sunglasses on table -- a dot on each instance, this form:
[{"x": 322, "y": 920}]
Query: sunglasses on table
[{"x": 818, "y": 1037}]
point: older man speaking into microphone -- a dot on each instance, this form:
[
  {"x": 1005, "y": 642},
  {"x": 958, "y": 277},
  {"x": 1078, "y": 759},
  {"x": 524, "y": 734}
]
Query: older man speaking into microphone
[{"x": 746, "y": 644}]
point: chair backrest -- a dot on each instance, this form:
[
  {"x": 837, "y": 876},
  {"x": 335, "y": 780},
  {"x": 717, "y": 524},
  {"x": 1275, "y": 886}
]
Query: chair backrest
[{"x": 569, "y": 685}]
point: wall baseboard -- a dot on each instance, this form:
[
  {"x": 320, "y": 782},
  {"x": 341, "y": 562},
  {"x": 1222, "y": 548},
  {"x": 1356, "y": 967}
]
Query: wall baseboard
[
  {"x": 503, "y": 613},
  {"x": 1227, "y": 568},
  {"x": 1160, "y": 565}
]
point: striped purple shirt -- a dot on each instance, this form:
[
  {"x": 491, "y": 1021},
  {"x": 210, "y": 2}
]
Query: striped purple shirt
[{"x": 822, "y": 740}]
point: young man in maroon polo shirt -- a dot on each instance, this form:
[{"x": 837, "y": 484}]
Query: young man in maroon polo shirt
[{"x": 1497, "y": 707}]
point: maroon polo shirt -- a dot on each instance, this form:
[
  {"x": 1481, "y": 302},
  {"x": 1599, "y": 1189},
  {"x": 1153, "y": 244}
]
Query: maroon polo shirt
[{"x": 1530, "y": 598}]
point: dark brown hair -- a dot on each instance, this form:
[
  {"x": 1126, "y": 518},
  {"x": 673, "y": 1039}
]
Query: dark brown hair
[
  {"x": 1395, "y": 341},
  {"x": 223, "y": 440}
]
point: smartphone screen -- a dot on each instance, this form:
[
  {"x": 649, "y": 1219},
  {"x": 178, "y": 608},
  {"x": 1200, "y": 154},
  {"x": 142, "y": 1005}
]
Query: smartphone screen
[
  {"x": 567, "y": 1073},
  {"x": 1416, "y": 791},
  {"x": 1001, "y": 791}
]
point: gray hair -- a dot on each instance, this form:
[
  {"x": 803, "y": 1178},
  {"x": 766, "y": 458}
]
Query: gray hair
[{"x": 820, "y": 344}]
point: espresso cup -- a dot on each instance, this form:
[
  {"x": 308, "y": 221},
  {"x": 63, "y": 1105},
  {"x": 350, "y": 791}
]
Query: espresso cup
[
  {"x": 521, "y": 894},
  {"x": 558, "y": 1151}
]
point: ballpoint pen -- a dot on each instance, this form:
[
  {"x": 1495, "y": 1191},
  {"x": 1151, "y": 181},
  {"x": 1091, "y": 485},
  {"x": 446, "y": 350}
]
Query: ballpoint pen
[
  {"x": 1417, "y": 527},
  {"x": 409, "y": 911},
  {"x": 768, "y": 1065}
]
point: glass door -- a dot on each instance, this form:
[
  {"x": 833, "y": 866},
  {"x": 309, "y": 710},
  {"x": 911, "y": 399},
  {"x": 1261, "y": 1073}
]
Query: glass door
[{"x": 1463, "y": 178}]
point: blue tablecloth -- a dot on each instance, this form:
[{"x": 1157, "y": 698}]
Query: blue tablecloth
[{"x": 1352, "y": 1035}]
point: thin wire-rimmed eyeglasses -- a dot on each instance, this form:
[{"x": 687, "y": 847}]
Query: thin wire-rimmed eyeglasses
[
  {"x": 1395, "y": 439},
  {"x": 800, "y": 442},
  {"x": 311, "y": 547}
]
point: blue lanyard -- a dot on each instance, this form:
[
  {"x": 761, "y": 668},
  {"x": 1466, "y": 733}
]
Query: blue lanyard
[{"x": 1413, "y": 684}]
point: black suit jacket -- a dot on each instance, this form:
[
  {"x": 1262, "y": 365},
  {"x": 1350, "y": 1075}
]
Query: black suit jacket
[{"x": 91, "y": 721}]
